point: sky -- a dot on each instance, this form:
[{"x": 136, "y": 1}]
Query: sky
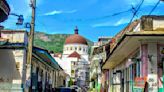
[{"x": 94, "y": 18}]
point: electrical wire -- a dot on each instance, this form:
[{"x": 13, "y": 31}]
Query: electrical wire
[
  {"x": 136, "y": 11},
  {"x": 154, "y": 7},
  {"x": 107, "y": 16}
]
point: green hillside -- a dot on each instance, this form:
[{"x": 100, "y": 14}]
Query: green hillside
[{"x": 52, "y": 42}]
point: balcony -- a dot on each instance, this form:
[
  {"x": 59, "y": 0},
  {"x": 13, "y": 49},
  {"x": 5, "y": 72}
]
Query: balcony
[{"x": 4, "y": 10}]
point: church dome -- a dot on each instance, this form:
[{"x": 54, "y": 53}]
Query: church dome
[{"x": 76, "y": 38}]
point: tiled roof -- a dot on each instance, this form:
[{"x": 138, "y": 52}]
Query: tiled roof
[
  {"x": 76, "y": 38},
  {"x": 75, "y": 55}
]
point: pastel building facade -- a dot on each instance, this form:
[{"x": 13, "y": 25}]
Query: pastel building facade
[{"x": 136, "y": 57}]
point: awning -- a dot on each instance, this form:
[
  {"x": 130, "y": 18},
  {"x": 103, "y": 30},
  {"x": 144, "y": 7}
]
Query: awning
[
  {"x": 3, "y": 41},
  {"x": 128, "y": 44},
  {"x": 46, "y": 57}
]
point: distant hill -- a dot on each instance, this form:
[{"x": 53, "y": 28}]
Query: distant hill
[{"x": 52, "y": 42}]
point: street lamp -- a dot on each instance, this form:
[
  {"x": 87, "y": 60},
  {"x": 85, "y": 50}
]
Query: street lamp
[{"x": 19, "y": 20}]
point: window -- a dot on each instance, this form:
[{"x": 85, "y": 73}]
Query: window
[
  {"x": 79, "y": 48},
  {"x": 84, "y": 49},
  {"x": 75, "y": 48},
  {"x": 139, "y": 65},
  {"x": 134, "y": 67},
  {"x": 72, "y": 71},
  {"x": 70, "y": 48}
]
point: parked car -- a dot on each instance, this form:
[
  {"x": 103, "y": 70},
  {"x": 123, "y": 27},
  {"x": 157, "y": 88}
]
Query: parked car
[{"x": 65, "y": 89}]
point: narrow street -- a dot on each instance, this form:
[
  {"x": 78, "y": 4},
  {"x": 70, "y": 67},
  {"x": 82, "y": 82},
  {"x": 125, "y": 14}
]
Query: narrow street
[{"x": 81, "y": 46}]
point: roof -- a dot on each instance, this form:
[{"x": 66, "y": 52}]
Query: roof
[
  {"x": 57, "y": 55},
  {"x": 76, "y": 38},
  {"x": 42, "y": 54},
  {"x": 4, "y": 10},
  {"x": 46, "y": 57},
  {"x": 129, "y": 43},
  {"x": 75, "y": 55},
  {"x": 13, "y": 31}
]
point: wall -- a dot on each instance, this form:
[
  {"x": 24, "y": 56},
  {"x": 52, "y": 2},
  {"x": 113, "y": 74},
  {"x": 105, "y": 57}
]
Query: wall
[
  {"x": 81, "y": 49},
  {"x": 15, "y": 37},
  {"x": 158, "y": 23},
  {"x": 152, "y": 67},
  {"x": 11, "y": 68}
]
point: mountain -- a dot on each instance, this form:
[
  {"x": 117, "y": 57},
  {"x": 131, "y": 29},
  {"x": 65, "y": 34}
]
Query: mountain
[{"x": 52, "y": 42}]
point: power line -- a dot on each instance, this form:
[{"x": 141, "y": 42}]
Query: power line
[
  {"x": 102, "y": 17},
  {"x": 115, "y": 14},
  {"x": 154, "y": 7},
  {"x": 136, "y": 11}
]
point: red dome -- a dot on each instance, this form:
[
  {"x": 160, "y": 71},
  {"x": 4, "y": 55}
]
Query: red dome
[{"x": 76, "y": 39}]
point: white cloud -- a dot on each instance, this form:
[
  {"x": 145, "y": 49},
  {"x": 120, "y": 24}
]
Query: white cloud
[
  {"x": 104, "y": 24},
  {"x": 121, "y": 21},
  {"x": 110, "y": 23},
  {"x": 55, "y": 12}
]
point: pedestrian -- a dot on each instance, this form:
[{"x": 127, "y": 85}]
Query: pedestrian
[{"x": 146, "y": 87}]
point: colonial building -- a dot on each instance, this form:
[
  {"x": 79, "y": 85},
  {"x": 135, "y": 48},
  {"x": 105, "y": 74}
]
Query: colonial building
[
  {"x": 136, "y": 57},
  {"x": 46, "y": 74},
  {"x": 74, "y": 59}
]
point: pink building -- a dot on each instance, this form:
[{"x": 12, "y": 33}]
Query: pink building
[{"x": 136, "y": 57}]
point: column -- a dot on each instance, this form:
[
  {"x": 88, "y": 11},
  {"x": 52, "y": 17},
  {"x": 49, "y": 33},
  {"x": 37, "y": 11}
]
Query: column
[
  {"x": 152, "y": 67},
  {"x": 144, "y": 54}
]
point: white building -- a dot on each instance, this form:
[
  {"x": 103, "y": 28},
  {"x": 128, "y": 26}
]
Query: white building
[
  {"x": 75, "y": 55},
  {"x": 46, "y": 74}
]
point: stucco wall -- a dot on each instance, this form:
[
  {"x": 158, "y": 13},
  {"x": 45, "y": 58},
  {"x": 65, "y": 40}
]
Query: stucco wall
[
  {"x": 158, "y": 24},
  {"x": 19, "y": 37},
  {"x": 11, "y": 67},
  {"x": 79, "y": 48}
]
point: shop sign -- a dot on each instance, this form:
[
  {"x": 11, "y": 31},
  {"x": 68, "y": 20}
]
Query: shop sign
[
  {"x": 140, "y": 82},
  {"x": 152, "y": 80},
  {"x": 4, "y": 7}
]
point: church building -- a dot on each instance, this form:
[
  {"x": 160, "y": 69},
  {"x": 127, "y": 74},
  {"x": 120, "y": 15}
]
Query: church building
[{"x": 75, "y": 59}]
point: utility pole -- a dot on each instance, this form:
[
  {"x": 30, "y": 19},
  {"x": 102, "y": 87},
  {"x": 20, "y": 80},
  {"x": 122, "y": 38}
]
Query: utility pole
[{"x": 30, "y": 46}]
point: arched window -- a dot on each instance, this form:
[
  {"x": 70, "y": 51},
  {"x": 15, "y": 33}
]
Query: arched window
[
  {"x": 86, "y": 50},
  {"x": 79, "y": 48},
  {"x": 75, "y": 48},
  {"x": 83, "y": 49}
]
